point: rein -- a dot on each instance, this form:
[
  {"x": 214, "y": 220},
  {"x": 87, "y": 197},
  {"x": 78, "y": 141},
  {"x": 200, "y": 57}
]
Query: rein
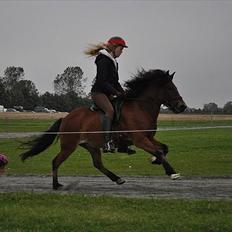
[{"x": 134, "y": 99}]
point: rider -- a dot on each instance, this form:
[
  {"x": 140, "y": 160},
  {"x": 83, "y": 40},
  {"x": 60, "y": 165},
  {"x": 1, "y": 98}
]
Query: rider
[{"x": 106, "y": 84}]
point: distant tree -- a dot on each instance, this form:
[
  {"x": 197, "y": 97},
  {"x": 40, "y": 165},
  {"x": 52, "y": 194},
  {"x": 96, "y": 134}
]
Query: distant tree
[
  {"x": 63, "y": 102},
  {"x": 26, "y": 94},
  {"x": 71, "y": 100},
  {"x": 48, "y": 100},
  {"x": 2, "y": 93},
  {"x": 71, "y": 81},
  {"x": 12, "y": 75},
  {"x": 227, "y": 109},
  {"x": 16, "y": 90},
  {"x": 210, "y": 108}
]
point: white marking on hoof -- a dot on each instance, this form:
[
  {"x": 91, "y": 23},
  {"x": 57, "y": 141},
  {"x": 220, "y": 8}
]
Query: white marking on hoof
[
  {"x": 153, "y": 159},
  {"x": 176, "y": 176},
  {"x": 120, "y": 181}
]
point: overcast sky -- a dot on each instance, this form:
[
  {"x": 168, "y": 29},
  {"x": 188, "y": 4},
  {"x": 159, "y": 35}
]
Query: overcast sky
[{"x": 192, "y": 38}]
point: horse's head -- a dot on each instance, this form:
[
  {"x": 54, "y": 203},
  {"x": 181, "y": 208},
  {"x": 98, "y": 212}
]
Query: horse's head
[
  {"x": 158, "y": 86},
  {"x": 171, "y": 96}
]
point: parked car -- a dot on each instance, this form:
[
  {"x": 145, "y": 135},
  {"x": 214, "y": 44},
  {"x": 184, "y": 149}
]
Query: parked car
[
  {"x": 18, "y": 108},
  {"x": 41, "y": 109},
  {"x": 2, "y": 109},
  {"x": 52, "y": 111},
  {"x": 11, "y": 110}
]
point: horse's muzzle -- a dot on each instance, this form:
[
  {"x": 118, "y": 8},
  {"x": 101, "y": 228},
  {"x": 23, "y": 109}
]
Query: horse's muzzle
[{"x": 178, "y": 107}]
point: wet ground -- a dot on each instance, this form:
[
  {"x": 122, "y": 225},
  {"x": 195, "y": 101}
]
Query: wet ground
[{"x": 215, "y": 188}]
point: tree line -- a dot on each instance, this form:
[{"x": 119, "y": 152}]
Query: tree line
[
  {"x": 69, "y": 93},
  {"x": 15, "y": 90},
  {"x": 209, "y": 108}
]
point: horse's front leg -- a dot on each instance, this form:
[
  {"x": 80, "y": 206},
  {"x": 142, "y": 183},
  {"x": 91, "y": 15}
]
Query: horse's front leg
[
  {"x": 155, "y": 148},
  {"x": 162, "y": 147}
]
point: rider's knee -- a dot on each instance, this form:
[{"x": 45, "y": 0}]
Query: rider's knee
[{"x": 110, "y": 113}]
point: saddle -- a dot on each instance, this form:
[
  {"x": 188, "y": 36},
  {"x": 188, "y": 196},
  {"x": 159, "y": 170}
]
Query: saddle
[
  {"x": 121, "y": 141},
  {"x": 117, "y": 104}
]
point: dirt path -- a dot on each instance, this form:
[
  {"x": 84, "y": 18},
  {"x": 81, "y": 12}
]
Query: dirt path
[{"x": 215, "y": 188}]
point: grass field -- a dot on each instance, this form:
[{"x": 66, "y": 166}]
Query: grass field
[
  {"x": 205, "y": 152},
  {"x": 51, "y": 212}
]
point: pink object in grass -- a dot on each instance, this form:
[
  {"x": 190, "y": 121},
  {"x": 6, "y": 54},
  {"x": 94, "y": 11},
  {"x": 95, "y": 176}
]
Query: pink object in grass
[{"x": 3, "y": 160}]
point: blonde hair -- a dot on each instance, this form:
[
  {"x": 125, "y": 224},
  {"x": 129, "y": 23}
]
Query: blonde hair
[{"x": 94, "y": 49}]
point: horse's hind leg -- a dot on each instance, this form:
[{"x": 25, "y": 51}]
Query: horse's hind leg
[
  {"x": 57, "y": 161},
  {"x": 97, "y": 162}
]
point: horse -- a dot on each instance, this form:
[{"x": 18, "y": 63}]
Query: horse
[{"x": 145, "y": 92}]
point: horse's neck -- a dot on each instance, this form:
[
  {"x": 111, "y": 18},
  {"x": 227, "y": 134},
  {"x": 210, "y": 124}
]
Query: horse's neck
[
  {"x": 148, "y": 104},
  {"x": 151, "y": 96}
]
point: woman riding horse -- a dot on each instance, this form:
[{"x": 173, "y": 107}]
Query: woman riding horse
[
  {"x": 145, "y": 94},
  {"x": 106, "y": 83}
]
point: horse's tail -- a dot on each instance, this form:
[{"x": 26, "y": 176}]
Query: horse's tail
[{"x": 42, "y": 142}]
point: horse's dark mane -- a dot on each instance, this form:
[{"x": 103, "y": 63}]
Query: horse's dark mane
[{"x": 143, "y": 79}]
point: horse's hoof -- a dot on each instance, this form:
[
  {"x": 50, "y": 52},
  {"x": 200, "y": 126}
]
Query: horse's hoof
[
  {"x": 176, "y": 176},
  {"x": 57, "y": 186},
  {"x": 120, "y": 181}
]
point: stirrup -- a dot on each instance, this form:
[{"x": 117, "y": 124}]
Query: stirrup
[{"x": 108, "y": 147}]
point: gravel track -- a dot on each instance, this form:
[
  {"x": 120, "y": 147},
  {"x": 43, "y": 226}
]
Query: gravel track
[{"x": 213, "y": 188}]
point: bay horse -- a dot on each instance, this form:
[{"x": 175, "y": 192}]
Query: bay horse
[{"x": 145, "y": 93}]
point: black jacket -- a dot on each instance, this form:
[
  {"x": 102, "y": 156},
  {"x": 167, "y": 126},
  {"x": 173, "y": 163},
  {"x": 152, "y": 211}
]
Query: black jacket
[{"x": 107, "y": 80}]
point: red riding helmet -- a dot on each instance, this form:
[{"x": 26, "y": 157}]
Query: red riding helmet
[{"x": 116, "y": 40}]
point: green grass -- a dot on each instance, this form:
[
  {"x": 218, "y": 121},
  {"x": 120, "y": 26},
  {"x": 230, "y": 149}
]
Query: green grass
[
  {"x": 52, "y": 212},
  {"x": 25, "y": 125},
  {"x": 205, "y": 152}
]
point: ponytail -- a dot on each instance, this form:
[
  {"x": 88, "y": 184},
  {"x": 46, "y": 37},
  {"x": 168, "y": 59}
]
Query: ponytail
[{"x": 94, "y": 49}]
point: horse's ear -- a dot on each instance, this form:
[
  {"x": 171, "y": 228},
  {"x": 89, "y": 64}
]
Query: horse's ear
[
  {"x": 172, "y": 75},
  {"x": 167, "y": 72}
]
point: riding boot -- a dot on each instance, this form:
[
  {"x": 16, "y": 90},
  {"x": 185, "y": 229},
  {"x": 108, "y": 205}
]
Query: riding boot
[{"x": 108, "y": 146}]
